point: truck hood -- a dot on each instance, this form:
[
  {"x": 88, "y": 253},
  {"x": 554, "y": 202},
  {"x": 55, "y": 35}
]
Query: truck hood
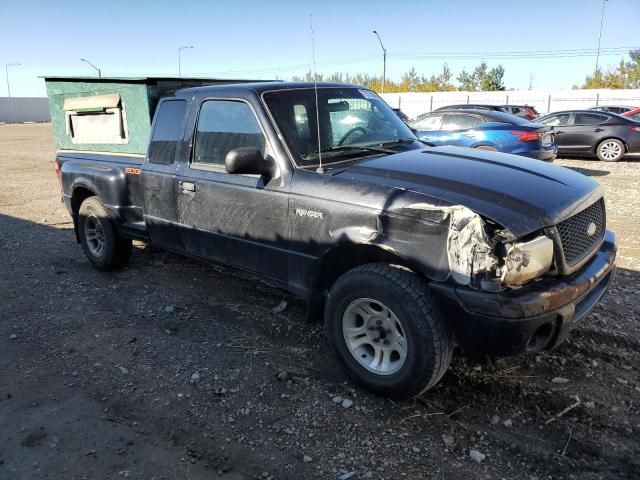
[{"x": 518, "y": 193}]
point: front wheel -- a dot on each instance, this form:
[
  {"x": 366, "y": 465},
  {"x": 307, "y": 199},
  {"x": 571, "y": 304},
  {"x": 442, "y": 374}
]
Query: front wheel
[
  {"x": 99, "y": 238},
  {"x": 387, "y": 330},
  {"x": 610, "y": 150}
]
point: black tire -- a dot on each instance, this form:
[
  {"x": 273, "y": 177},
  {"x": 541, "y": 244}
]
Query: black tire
[
  {"x": 110, "y": 251},
  {"x": 428, "y": 341},
  {"x": 610, "y": 150},
  {"x": 489, "y": 148}
]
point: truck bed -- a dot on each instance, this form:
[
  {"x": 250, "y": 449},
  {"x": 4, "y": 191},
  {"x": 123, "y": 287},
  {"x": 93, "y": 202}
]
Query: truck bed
[{"x": 116, "y": 175}]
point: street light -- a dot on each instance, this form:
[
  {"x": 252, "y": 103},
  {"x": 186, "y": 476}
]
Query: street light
[
  {"x": 599, "y": 37},
  {"x": 6, "y": 70},
  {"x": 384, "y": 60},
  {"x": 87, "y": 61},
  {"x": 180, "y": 59}
]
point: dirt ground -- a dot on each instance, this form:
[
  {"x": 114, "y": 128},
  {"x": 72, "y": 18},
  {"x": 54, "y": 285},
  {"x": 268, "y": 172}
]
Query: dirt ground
[{"x": 170, "y": 369}]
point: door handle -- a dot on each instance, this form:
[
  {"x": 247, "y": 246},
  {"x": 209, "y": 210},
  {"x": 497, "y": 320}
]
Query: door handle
[
  {"x": 188, "y": 187},
  {"x": 598, "y": 130},
  {"x": 558, "y": 132}
]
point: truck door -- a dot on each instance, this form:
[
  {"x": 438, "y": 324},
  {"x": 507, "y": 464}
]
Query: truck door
[
  {"x": 234, "y": 219},
  {"x": 159, "y": 173}
]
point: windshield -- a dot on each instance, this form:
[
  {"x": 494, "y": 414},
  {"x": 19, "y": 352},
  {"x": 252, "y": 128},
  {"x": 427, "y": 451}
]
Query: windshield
[{"x": 353, "y": 121}]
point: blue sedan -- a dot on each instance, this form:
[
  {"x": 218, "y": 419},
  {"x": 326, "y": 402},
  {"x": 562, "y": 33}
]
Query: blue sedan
[{"x": 487, "y": 130}]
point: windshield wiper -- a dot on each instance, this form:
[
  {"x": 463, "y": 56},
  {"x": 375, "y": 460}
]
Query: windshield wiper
[
  {"x": 408, "y": 140},
  {"x": 350, "y": 148},
  {"x": 363, "y": 148},
  {"x": 400, "y": 140}
]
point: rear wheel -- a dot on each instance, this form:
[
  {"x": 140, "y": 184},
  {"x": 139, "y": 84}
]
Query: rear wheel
[
  {"x": 610, "y": 150},
  {"x": 99, "y": 238},
  {"x": 387, "y": 331}
]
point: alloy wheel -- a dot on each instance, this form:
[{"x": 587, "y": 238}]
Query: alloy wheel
[
  {"x": 374, "y": 336},
  {"x": 94, "y": 234},
  {"x": 610, "y": 150}
]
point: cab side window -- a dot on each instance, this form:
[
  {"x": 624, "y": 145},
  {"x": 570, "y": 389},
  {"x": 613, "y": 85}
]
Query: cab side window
[{"x": 224, "y": 125}]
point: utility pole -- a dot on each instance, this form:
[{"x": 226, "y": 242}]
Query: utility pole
[
  {"x": 91, "y": 64},
  {"x": 600, "y": 37},
  {"x": 384, "y": 60},
  {"x": 180, "y": 59},
  {"x": 6, "y": 70}
]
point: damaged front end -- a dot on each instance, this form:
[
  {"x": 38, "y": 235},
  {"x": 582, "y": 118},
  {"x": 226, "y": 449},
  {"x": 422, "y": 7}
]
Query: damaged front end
[{"x": 486, "y": 257}]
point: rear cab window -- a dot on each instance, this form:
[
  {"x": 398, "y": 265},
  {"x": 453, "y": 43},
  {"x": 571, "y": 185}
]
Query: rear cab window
[{"x": 167, "y": 131}]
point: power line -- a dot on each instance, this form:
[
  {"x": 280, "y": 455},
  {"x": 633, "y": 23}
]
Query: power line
[
  {"x": 524, "y": 51},
  {"x": 513, "y": 55},
  {"x": 510, "y": 55}
]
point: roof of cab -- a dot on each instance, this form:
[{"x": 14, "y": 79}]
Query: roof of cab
[{"x": 261, "y": 87}]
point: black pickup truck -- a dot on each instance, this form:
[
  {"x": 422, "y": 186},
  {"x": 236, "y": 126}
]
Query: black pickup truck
[{"x": 405, "y": 250}]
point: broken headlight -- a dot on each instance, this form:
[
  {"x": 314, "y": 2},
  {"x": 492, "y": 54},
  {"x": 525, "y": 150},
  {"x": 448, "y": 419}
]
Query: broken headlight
[
  {"x": 525, "y": 261},
  {"x": 488, "y": 258}
]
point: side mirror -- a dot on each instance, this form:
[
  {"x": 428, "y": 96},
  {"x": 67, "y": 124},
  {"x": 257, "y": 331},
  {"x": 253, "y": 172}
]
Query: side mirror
[{"x": 248, "y": 160}]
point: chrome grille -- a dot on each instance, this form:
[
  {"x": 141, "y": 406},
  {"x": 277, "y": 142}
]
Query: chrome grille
[{"x": 576, "y": 242}]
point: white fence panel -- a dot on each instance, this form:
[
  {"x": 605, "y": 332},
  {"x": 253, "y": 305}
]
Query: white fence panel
[
  {"x": 413, "y": 104},
  {"x": 24, "y": 109}
]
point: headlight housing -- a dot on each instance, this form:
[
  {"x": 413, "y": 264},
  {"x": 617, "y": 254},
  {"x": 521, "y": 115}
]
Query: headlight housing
[
  {"x": 525, "y": 261},
  {"x": 488, "y": 258}
]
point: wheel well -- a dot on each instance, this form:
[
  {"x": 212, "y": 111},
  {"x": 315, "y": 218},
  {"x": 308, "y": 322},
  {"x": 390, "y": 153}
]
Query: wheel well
[
  {"x": 339, "y": 261},
  {"x": 80, "y": 194},
  {"x": 626, "y": 148}
]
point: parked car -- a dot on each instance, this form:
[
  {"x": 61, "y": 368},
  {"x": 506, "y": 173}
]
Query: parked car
[
  {"x": 612, "y": 108},
  {"x": 524, "y": 111},
  {"x": 486, "y": 130},
  {"x": 633, "y": 114},
  {"x": 473, "y": 106},
  {"x": 404, "y": 250},
  {"x": 607, "y": 135},
  {"x": 403, "y": 116}
]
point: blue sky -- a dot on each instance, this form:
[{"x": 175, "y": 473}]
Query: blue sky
[{"x": 271, "y": 39}]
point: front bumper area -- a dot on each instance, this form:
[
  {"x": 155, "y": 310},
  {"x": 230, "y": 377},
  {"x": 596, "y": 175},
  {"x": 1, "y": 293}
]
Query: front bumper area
[{"x": 537, "y": 316}]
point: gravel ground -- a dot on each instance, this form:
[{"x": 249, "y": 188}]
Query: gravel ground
[{"x": 172, "y": 369}]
